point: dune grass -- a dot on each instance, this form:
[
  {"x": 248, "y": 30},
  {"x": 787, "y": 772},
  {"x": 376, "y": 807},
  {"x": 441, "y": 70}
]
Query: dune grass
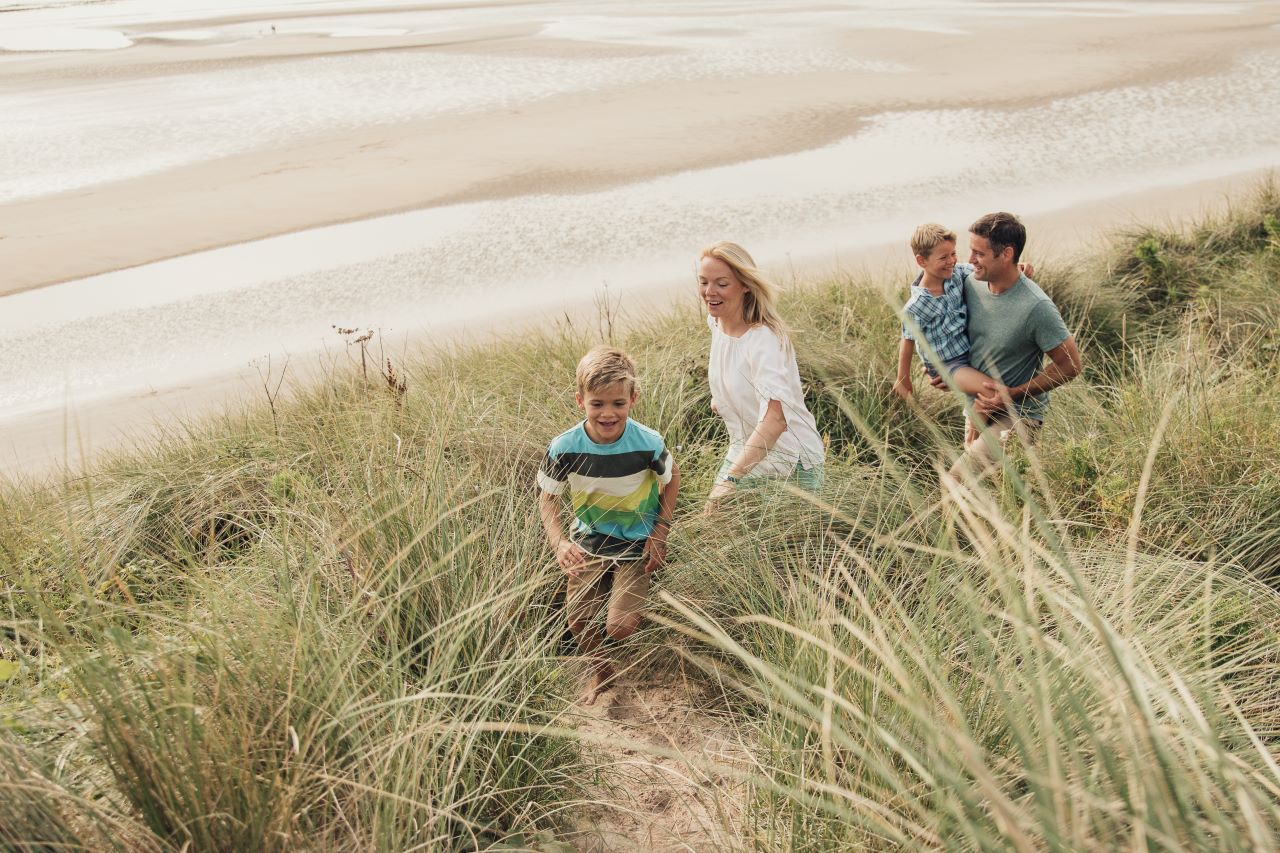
[{"x": 332, "y": 623}]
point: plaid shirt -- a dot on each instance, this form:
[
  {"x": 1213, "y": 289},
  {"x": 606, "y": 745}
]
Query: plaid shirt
[{"x": 943, "y": 320}]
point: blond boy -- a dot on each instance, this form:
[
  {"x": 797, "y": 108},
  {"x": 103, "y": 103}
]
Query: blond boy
[
  {"x": 937, "y": 310},
  {"x": 622, "y": 485}
]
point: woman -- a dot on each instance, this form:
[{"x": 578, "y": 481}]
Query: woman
[{"x": 755, "y": 383}]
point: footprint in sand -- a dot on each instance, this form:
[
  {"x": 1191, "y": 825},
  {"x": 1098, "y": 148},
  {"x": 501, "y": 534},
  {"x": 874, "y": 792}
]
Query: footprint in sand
[
  {"x": 625, "y": 705},
  {"x": 658, "y": 801}
]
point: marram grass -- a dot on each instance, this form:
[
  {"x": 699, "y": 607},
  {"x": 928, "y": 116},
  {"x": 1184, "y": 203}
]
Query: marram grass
[{"x": 331, "y": 623}]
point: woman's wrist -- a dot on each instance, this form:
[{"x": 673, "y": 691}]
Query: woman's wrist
[{"x": 741, "y": 469}]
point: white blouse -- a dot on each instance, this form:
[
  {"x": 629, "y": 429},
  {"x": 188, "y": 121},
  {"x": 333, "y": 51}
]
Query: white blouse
[{"x": 745, "y": 374}]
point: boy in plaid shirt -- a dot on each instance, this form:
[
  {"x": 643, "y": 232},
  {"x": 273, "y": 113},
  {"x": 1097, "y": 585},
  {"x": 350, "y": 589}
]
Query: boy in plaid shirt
[{"x": 937, "y": 311}]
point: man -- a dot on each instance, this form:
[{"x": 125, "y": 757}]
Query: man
[{"x": 1013, "y": 325}]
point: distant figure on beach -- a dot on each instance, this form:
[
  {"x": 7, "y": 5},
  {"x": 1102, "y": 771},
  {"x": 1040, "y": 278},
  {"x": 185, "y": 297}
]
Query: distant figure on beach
[
  {"x": 622, "y": 485},
  {"x": 1012, "y": 326},
  {"x": 754, "y": 378}
]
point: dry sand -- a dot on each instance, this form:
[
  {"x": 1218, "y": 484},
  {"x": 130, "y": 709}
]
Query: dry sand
[{"x": 672, "y": 762}]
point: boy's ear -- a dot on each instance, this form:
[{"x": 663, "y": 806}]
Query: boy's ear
[
  {"x": 921, "y": 260},
  {"x": 634, "y": 395},
  {"x": 577, "y": 395}
]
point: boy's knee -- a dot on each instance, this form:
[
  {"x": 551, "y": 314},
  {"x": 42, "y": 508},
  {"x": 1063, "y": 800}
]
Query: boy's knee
[{"x": 623, "y": 628}]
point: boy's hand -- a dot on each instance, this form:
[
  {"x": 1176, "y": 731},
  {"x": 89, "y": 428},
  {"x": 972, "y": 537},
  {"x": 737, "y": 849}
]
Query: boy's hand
[
  {"x": 903, "y": 387},
  {"x": 1028, "y": 269},
  {"x": 570, "y": 557},
  {"x": 935, "y": 379},
  {"x": 656, "y": 550}
]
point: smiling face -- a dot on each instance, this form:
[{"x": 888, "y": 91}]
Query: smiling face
[
  {"x": 607, "y": 410},
  {"x": 987, "y": 264},
  {"x": 720, "y": 289},
  {"x": 941, "y": 261}
]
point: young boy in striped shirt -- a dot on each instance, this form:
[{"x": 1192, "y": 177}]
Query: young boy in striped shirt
[
  {"x": 937, "y": 311},
  {"x": 622, "y": 485}
]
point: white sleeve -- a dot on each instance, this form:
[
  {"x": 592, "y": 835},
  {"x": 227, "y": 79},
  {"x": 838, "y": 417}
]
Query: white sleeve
[
  {"x": 771, "y": 366},
  {"x": 711, "y": 324}
]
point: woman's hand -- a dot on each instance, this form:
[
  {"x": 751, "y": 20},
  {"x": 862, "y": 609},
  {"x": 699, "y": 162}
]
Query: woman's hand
[
  {"x": 719, "y": 492},
  {"x": 971, "y": 433}
]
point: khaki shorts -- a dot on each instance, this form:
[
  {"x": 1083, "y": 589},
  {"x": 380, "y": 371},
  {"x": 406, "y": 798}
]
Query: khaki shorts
[
  {"x": 978, "y": 458},
  {"x": 622, "y": 583}
]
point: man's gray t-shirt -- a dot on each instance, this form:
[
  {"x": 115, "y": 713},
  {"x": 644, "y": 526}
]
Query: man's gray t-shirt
[{"x": 1010, "y": 333}]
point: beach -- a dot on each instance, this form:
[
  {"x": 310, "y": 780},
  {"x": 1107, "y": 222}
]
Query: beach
[
  {"x": 188, "y": 191},
  {"x": 294, "y": 294}
]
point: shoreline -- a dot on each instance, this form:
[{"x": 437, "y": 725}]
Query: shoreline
[{"x": 64, "y": 440}]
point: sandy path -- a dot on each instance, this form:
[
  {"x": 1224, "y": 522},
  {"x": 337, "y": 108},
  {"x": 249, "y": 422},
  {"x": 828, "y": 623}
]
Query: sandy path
[{"x": 652, "y": 802}]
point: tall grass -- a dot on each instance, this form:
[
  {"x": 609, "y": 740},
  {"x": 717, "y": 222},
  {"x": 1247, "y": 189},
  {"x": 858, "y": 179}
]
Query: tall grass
[
  {"x": 967, "y": 684},
  {"x": 332, "y": 622},
  {"x": 281, "y": 641}
]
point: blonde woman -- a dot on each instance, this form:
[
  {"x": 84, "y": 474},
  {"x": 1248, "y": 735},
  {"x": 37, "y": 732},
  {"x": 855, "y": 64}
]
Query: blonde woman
[{"x": 755, "y": 383}]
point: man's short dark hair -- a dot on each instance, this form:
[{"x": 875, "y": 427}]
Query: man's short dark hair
[{"x": 1001, "y": 230}]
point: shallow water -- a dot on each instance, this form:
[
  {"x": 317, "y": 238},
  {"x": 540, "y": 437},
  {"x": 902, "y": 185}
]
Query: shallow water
[
  {"x": 81, "y": 136},
  {"x": 174, "y": 320}
]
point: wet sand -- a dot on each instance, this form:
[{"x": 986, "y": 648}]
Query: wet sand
[{"x": 572, "y": 143}]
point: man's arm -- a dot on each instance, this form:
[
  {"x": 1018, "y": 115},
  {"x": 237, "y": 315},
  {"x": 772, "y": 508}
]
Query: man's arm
[
  {"x": 1065, "y": 365},
  {"x": 568, "y": 555},
  {"x": 656, "y": 547},
  {"x": 906, "y": 351}
]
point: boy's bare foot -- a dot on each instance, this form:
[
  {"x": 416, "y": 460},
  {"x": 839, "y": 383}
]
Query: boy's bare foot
[{"x": 599, "y": 682}]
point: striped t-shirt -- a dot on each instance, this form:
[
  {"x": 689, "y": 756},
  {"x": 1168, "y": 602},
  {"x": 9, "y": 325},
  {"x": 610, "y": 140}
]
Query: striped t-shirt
[{"x": 614, "y": 488}]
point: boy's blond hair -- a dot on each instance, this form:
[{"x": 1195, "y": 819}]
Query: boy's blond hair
[
  {"x": 604, "y": 366},
  {"x": 928, "y": 236}
]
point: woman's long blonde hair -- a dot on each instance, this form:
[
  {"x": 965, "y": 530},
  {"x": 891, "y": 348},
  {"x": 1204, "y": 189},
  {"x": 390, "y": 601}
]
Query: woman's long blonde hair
[{"x": 760, "y": 302}]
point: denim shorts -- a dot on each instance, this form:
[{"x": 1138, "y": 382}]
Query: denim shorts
[
  {"x": 810, "y": 479},
  {"x": 951, "y": 364}
]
